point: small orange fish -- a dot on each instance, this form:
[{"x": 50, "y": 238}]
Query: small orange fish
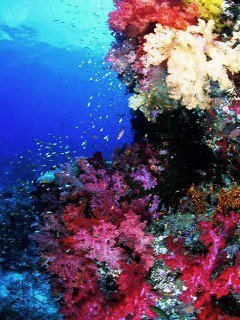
[{"x": 127, "y": 152}]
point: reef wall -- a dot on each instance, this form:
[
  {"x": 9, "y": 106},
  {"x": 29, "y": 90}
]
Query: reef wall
[{"x": 154, "y": 234}]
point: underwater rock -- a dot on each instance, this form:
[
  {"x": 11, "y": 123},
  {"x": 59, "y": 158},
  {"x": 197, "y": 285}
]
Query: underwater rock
[
  {"x": 26, "y": 295},
  {"x": 25, "y": 292}
]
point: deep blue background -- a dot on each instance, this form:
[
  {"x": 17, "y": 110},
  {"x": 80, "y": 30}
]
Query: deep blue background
[{"x": 55, "y": 85}]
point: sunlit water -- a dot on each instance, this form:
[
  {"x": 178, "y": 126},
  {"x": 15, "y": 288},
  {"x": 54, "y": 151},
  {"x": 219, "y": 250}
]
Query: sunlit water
[{"x": 58, "y": 98}]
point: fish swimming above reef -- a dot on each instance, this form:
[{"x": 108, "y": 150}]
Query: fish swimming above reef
[
  {"x": 120, "y": 133},
  {"x": 47, "y": 177}
]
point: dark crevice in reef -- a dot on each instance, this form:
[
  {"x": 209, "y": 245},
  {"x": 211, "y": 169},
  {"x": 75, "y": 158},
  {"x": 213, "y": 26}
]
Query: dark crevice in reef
[
  {"x": 231, "y": 305},
  {"x": 191, "y": 161}
]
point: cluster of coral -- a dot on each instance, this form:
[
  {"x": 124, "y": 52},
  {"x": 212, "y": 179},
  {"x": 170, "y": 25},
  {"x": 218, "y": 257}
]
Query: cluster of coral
[
  {"x": 176, "y": 53},
  {"x": 94, "y": 237},
  {"x": 132, "y": 239},
  {"x": 155, "y": 233}
]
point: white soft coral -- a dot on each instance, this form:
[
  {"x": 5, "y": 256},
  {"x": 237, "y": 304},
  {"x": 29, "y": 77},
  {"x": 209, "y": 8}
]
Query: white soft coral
[{"x": 194, "y": 58}]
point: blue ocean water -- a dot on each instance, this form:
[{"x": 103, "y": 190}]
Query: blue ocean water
[
  {"x": 58, "y": 100},
  {"x": 58, "y": 97}
]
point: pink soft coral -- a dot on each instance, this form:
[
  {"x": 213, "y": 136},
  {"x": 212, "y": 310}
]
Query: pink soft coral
[
  {"x": 99, "y": 235},
  {"x": 144, "y": 177},
  {"x": 132, "y": 235},
  {"x": 100, "y": 243}
]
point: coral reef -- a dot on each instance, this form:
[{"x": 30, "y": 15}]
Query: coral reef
[
  {"x": 194, "y": 60},
  {"x": 154, "y": 233},
  {"x": 98, "y": 245},
  {"x": 204, "y": 284},
  {"x": 135, "y": 17},
  {"x": 210, "y": 9},
  {"x": 119, "y": 248},
  {"x": 172, "y": 55},
  {"x": 204, "y": 256}
]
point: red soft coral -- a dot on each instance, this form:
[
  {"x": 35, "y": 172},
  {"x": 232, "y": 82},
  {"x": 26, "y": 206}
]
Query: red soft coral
[
  {"x": 133, "y": 17},
  {"x": 132, "y": 234},
  {"x": 198, "y": 271},
  {"x": 137, "y": 296}
]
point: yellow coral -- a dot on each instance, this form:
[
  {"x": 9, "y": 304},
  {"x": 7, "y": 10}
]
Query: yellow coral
[
  {"x": 209, "y": 9},
  {"x": 194, "y": 58}
]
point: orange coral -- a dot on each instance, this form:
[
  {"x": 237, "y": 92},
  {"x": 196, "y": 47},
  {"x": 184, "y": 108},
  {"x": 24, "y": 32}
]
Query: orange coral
[
  {"x": 228, "y": 199},
  {"x": 198, "y": 199}
]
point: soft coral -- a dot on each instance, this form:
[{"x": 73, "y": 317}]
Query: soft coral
[
  {"x": 100, "y": 235},
  {"x": 200, "y": 273},
  {"x": 133, "y": 17},
  {"x": 136, "y": 294}
]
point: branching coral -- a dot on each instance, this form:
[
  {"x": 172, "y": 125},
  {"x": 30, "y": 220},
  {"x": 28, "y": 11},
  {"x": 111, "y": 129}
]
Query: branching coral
[
  {"x": 114, "y": 235},
  {"x": 229, "y": 199},
  {"x": 100, "y": 244},
  {"x": 98, "y": 241},
  {"x": 198, "y": 198},
  {"x": 121, "y": 57},
  {"x": 194, "y": 59},
  {"x": 198, "y": 271},
  {"x": 222, "y": 134}
]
